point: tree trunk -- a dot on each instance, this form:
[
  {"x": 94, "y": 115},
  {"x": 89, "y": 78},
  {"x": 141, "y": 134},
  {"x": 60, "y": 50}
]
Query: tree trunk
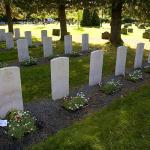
[
  {"x": 62, "y": 19},
  {"x": 116, "y": 17},
  {"x": 9, "y": 17}
]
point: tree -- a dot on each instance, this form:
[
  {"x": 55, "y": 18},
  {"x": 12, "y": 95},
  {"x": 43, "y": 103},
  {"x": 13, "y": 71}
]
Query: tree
[
  {"x": 95, "y": 18},
  {"x": 86, "y": 19}
]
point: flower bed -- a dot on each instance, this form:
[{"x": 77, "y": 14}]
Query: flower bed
[
  {"x": 110, "y": 87},
  {"x": 31, "y": 62},
  {"x": 20, "y": 123},
  {"x": 75, "y": 103},
  {"x": 135, "y": 76}
]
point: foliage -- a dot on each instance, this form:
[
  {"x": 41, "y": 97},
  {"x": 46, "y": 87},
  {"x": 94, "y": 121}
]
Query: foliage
[
  {"x": 75, "y": 103},
  {"x": 30, "y": 62},
  {"x": 135, "y": 76},
  {"x": 110, "y": 87},
  {"x": 95, "y": 21},
  {"x": 86, "y": 19},
  {"x": 124, "y": 124},
  {"x": 2, "y": 64},
  {"x": 20, "y": 123}
]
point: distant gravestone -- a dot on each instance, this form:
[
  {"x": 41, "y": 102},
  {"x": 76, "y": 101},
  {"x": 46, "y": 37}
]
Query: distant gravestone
[
  {"x": 10, "y": 90},
  {"x": 85, "y": 42},
  {"x": 139, "y": 56},
  {"x": 43, "y": 34},
  {"x": 68, "y": 44},
  {"x": 121, "y": 61},
  {"x": 149, "y": 58},
  {"x": 17, "y": 33},
  {"x": 23, "y": 52},
  {"x": 2, "y": 34},
  {"x": 47, "y": 46},
  {"x": 60, "y": 77},
  {"x": 9, "y": 40},
  {"x": 96, "y": 66},
  {"x": 28, "y": 36}
]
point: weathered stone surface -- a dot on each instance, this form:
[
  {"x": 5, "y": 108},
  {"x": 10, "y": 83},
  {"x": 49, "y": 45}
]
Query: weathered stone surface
[
  {"x": 96, "y": 66},
  {"x": 23, "y": 52},
  {"x": 121, "y": 61},
  {"x": 60, "y": 77},
  {"x": 17, "y": 33},
  {"x": 43, "y": 34},
  {"x": 139, "y": 56},
  {"x": 10, "y": 90},
  {"x": 149, "y": 58},
  {"x": 28, "y": 36},
  {"x": 9, "y": 40},
  {"x": 68, "y": 44},
  {"x": 47, "y": 46},
  {"x": 85, "y": 42},
  {"x": 2, "y": 35}
]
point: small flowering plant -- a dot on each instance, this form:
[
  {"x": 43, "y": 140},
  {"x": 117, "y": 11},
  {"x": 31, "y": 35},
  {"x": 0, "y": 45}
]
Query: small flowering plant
[
  {"x": 135, "y": 76},
  {"x": 110, "y": 87},
  {"x": 30, "y": 62},
  {"x": 75, "y": 103},
  {"x": 2, "y": 65},
  {"x": 20, "y": 123}
]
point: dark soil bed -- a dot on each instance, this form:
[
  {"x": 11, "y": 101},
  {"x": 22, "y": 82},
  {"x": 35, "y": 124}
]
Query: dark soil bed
[{"x": 52, "y": 117}]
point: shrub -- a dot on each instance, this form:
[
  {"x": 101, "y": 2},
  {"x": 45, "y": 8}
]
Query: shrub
[
  {"x": 110, "y": 87},
  {"x": 86, "y": 19},
  {"x": 141, "y": 26},
  {"x": 20, "y": 123},
  {"x": 31, "y": 62},
  {"x": 124, "y": 31},
  {"x": 56, "y": 32},
  {"x": 75, "y": 103},
  {"x": 106, "y": 35},
  {"x": 95, "y": 21},
  {"x": 130, "y": 30},
  {"x": 135, "y": 76},
  {"x": 146, "y": 35}
]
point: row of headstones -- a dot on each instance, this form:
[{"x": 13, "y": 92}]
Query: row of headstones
[
  {"x": 47, "y": 41},
  {"x": 10, "y": 87}
]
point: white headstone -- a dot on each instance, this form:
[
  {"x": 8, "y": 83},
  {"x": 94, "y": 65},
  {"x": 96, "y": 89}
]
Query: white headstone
[
  {"x": 85, "y": 42},
  {"x": 47, "y": 46},
  {"x": 17, "y": 33},
  {"x": 96, "y": 67},
  {"x": 28, "y": 36},
  {"x": 149, "y": 57},
  {"x": 10, "y": 90},
  {"x": 23, "y": 52},
  {"x": 121, "y": 61},
  {"x": 68, "y": 44},
  {"x": 60, "y": 77},
  {"x": 9, "y": 40},
  {"x": 43, "y": 34},
  {"x": 139, "y": 56},
  {"x": 2, "y": 34}
]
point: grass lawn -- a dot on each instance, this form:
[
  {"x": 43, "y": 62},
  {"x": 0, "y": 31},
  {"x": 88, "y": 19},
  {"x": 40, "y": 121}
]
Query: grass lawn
[
  {"x": 36, "y": 79},
  {"x": 124, "y": 124}
]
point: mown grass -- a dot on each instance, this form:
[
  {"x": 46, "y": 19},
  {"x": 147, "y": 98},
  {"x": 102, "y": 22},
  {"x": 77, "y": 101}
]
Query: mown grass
[
  {"x": 124, "y": 124},
  {"x": 36, "y": 83}
]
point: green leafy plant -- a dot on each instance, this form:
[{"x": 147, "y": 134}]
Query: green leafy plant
[
  {"x": 110, "y": 87},
  {"x": 2, "y": 65},
  {"x": 30, "y": 62},
  {"x": 20, "y": 123},
  {"x": 75, "y": 103},
  {"x": 135, "y": 76}
]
